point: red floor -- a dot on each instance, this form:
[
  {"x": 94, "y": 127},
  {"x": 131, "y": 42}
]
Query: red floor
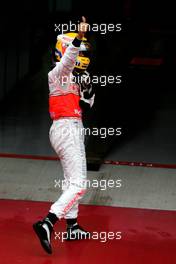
[{"x": 148, "y": 236}]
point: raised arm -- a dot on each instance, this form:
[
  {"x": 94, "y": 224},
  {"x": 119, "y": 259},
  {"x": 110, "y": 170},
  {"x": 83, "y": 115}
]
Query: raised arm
[{"x": 68, "y": 60}]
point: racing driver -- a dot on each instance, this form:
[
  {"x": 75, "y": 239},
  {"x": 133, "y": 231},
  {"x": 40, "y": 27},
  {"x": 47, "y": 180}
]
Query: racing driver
[{"x": 67, "y": 99}]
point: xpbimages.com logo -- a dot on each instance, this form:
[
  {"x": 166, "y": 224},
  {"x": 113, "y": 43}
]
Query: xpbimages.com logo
[
  {"x": 102, "y": 132},
  {"x": 101, "y": 80},
  {"x": 102, "y": 28},
  {"x": 103, "y": 236},
  {"x": 102, "y": 185}
]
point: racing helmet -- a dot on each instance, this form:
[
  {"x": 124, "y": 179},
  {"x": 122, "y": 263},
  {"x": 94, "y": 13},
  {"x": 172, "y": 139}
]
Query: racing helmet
[{"x": 83, "y": 59}]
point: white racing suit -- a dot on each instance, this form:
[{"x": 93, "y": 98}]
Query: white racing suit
[{"x": 67, "y": 135}]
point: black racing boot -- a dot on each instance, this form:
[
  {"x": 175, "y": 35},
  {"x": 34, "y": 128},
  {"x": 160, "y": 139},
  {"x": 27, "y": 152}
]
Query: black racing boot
[
  {"x": 43, "y": 230},
  {"x": 76, "y": 232}
]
